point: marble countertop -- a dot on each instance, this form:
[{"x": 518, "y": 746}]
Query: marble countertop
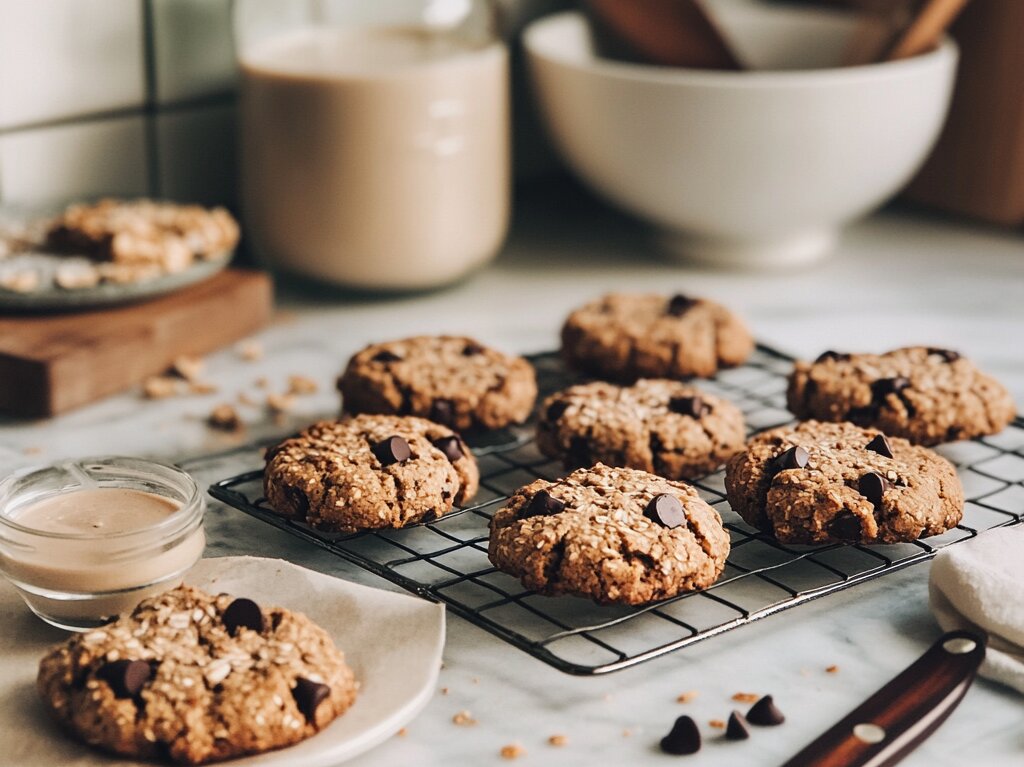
[{"x": 897, "y": 278}]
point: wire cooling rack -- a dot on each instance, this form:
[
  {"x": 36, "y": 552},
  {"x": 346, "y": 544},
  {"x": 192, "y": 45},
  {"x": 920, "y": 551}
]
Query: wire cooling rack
[{"x": 446, "y": 560}]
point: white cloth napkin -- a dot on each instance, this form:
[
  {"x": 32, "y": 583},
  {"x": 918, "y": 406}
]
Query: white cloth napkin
[{"x": 979, "y": 584}]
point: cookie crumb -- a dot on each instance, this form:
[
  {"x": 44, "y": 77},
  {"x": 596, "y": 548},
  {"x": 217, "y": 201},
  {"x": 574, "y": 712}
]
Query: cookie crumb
[
  {"x": 244, "y": 398},
  {"x": 202, "y": 387},
  {"x": 261, "y": 383},
  {"x": 687, "y": 696},
  {"x": 475, "y": 680},
  {"x": 160, "y": 387},
  {"x": 512, "y": 751},
  {"x": 557, "y": 740},
  {"x": 832, "y": 670},
  {"x": 280, "y": 403},
  {"x": 224, "y": 418},
  {"x": 301, "y": 385},
  {"x": 745, "y": 697},
  {"x": 464, "y": 719},
  {"x": 32, "y": 450},
  {"x": 718, "y": 724},
  {"x": 627, "y": 733},
  {"x": 188, "y": 367},
  {"x": 444, "y": 690},
  {"x": 250, "y": 351},
  {"x": 402, "y": 733}
]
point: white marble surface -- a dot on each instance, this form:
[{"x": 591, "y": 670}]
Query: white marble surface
[{"x": 897, "y": 279}]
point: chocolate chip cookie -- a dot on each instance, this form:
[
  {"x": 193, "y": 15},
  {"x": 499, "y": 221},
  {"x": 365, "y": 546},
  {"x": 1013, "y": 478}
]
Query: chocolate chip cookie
[
  {"x": 612, "y": 534},
  {"x": 624, "y": 337},
  {"x": 192, "y": 678},
  {"x": 370, "y": 471},
  {"x": 452, "y": 380},
  {"x": 829, "y": 482},
  {"x": 661, "y": 426},
  {"x": 923, "y": 394}
]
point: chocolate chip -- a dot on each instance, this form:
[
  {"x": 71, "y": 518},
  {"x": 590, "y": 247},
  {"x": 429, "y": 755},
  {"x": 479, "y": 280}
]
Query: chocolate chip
[
  {"x": 679, "y": 305},
  {"x": 451, "y": 447},
  {"x": 472, "y": 349},
  {"x": 845, "y": 527},
  {"x": 308, "y": 695},
  {"x": 442, "y": 411},
  {"x": 737, "y": 727},
  {"x": 764, "y": 713},
  {"x": 392, "y": 450},
  {"x": 386, "y": 356},
  {"x": 684, "y": 738},
  {"x": 543, "y": 504},
  {"x": 831, "y": 355},
  {"x": 883, "y": 387},
  {"x": 873, "y": 486},
  {"x": 578, "y": 453},
  {"x": 947, "y": 355},
  {"x": 666, "y": 510},
  {"x": 242, "y": 613},
  {"x": 880, "y": 445},
  {"x": 556, "y": 409},
  {"x": 793, "y": 458},
  {"x": 694, "y": 406},
  {"x": 125, "y": 677}
]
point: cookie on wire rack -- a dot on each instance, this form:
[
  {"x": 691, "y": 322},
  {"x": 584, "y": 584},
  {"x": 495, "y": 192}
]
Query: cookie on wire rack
[{"x": 615, "y": 535}]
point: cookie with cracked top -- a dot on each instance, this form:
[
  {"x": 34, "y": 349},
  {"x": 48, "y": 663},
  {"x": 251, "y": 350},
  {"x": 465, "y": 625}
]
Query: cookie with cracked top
[
  {"x": 665, "y": 427},
  {"x": 926, "y": 395},
  {"x": 623, "y": 337},
  {"x": 370, "y": 471},
  {"x": 452, "y": 380},
  {"x": 817, "y": 482},
  {"x": 614, "y": 535},
  {"x": 181, "y": 680}
]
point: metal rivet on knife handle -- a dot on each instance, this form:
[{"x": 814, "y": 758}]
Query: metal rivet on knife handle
[
  {"x": 869, "y": 733},
  {"x": 959, "y": 645}
]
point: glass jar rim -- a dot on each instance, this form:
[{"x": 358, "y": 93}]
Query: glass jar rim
[{"x": 191, "y": 506}]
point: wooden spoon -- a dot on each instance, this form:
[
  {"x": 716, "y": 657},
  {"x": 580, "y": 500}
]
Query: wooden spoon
[
  {"x": 925, "y": 30},
  {"x": 677, "y": 33}
]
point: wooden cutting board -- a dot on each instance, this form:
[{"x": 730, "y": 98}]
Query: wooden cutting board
[{"x": 53, "y": 363}]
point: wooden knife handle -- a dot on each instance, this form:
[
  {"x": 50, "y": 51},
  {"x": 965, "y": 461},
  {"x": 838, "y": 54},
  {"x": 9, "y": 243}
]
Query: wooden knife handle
[{"x": 900, "y": 716}]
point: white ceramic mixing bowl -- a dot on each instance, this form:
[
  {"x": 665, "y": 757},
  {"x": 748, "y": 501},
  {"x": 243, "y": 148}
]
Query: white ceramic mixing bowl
[{"x": 754, "y": 168}]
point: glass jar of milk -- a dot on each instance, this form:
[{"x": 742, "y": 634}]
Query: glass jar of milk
[{"x": 375, "y": 138}]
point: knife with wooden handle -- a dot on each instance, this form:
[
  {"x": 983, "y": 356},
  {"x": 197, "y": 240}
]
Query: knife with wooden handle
[{"x": 900, "y": 716}]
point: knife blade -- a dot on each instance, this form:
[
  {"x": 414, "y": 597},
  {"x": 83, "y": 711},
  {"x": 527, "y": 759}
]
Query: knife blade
[{"x": 902, "y": 714}]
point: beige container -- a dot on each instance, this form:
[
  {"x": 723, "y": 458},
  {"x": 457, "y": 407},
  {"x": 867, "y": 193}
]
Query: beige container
[{"x": 375, "y": 157}]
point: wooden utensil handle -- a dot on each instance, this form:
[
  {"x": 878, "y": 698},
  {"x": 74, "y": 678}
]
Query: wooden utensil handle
[{"x": 896, "y": 719}]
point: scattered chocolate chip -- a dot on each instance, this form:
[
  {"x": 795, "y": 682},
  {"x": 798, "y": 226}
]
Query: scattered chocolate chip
[
  {"x": 694, "y": 406},
  {"x": 386, "y": 356},
  {"x": 883, "y": 387},
  {"x": 880, "y": 445},
  {"x": 392, "y": 450},
  {"x": 556, "y": 409},
  {"x": 125, "y": 677},
  {"x": 737, "y": 727},
  {"x": 684, "y": 738},
  {"x": 308, "y": 695},
  {"x": 242, "y": 613},
  {"x": 679, "y": 305},
  {"x": 793, "y": 458},
  {"x": 578, "y": 453},
  {"x": 873, "y": 486},
  {"x": 450, "y": 446},
  {"x": 953, "y": 433},
  {"x": 845, "y": 527},
  {"x": 666, "y": 510},
  {"x": 542, "y": 504},
  {"x": 442, "y": 411},
  {"x": 472, "y": 349},
  {"x": 947, "y": 354},
  {"x": 831, "y": 355},
  {"x": 764, "y": 713}
]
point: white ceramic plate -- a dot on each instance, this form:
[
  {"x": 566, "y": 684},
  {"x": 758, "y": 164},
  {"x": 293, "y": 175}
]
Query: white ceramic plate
[{"x": 392, "y": 641}]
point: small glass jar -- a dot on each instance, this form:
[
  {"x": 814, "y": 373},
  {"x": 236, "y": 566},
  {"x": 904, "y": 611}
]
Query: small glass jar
[{"x": 80, "y": 580}]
